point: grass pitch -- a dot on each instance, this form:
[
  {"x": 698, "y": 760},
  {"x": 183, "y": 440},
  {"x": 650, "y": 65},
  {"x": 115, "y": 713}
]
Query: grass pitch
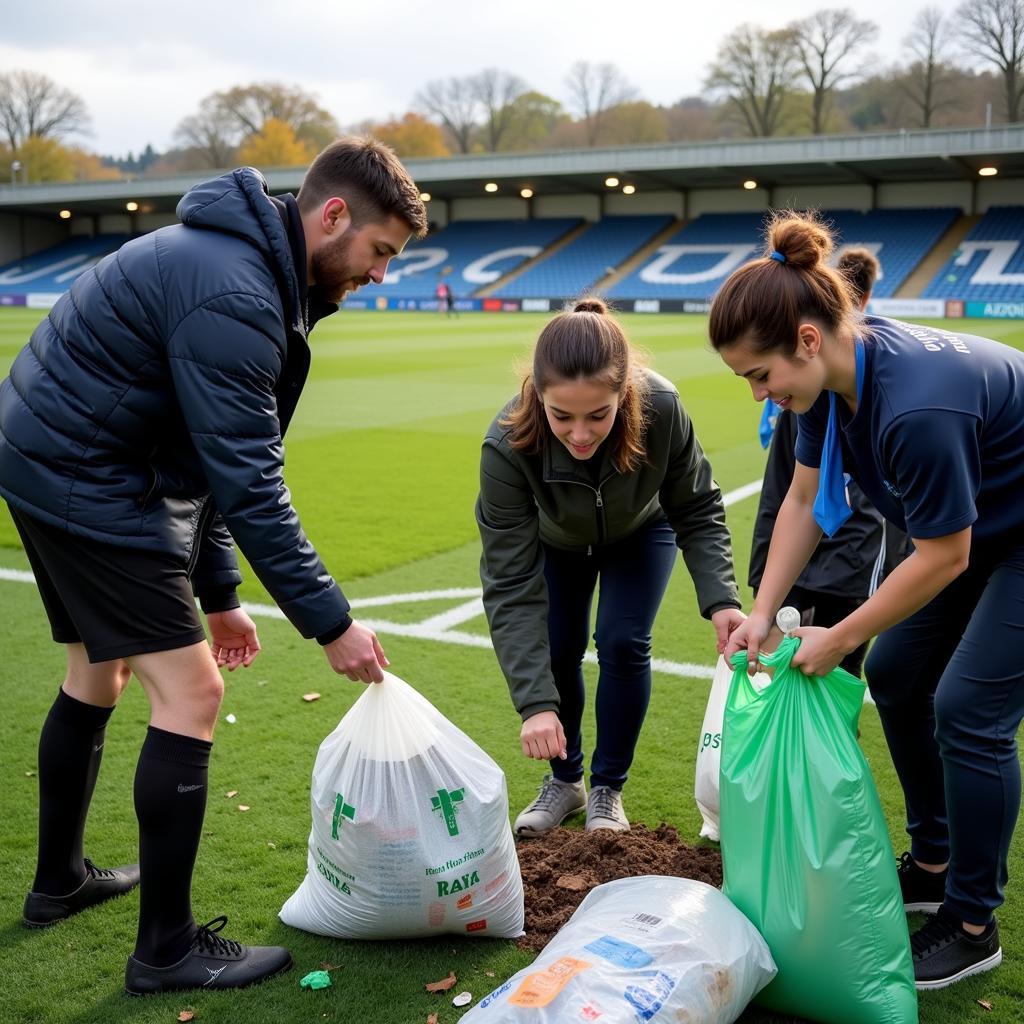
[{"x": 382, "y": 462}]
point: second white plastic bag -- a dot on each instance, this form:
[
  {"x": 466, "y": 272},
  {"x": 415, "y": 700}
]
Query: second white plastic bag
[
  {"x": 709, "y": 747},
  {"x": 653, "y": 948},
  {"x": 410, "y": 832}
]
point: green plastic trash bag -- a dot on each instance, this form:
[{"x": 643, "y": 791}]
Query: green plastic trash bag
[{"x": 805, "y": 849}]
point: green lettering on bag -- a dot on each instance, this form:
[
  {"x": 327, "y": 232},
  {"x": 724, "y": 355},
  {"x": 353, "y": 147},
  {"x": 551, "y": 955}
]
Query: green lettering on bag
[
  {"x": 445, "y": 802},
  {"x": 458, "y": 885},
  {"x": 342, "y": 810}
]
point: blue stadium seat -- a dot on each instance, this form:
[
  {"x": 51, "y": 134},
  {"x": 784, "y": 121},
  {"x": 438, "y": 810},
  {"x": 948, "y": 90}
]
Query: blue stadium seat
[
  {"x": 587, "y": 258},
  {"x": 54, "y": 269},
  {"x": 988, "y": 266},
  {"x": 693, "y": 263},
  {"x": 478, "y": 252}
]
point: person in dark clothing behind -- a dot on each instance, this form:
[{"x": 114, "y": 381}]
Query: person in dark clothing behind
[
  {"x": 140, "y": 434},
  {"x": 844, "y": 570}
]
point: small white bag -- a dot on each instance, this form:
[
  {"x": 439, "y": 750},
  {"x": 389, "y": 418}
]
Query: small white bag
[
  {"x": 709, "y": 747},
  {"x": 410, "y": 833},
  {"x": 651, "y": 948}
]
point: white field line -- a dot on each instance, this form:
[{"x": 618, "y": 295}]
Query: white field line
[{"x": 439, "y": 627}]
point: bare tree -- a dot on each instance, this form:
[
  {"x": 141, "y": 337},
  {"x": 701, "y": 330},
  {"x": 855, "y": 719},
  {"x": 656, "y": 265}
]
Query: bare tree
[
  {"x": 252, "y": 106},
  {"x": 496, "y": 92},
  {"x": 754, "y": 70},
  {"x": 993, "y": 30},
  {"x": 593, "y": 89},
  {"x": 927, "y": 81},
  {"x": 33, "y": 104},
  {"x": 454, "y": 103},
  {"x": 212, "y": 133},
  {"x": 225, "y": 119},
  {"x": 825, "y": 41}
]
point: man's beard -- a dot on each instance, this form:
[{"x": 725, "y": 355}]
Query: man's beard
[{"x": 332, "y": 272}]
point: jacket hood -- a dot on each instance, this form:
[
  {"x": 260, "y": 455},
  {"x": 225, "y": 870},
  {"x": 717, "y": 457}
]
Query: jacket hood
[{"x": 238, "y": 203}]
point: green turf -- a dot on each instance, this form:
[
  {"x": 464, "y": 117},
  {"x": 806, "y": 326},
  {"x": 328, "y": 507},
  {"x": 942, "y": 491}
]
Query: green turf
[{"x": 381, "y": 460}]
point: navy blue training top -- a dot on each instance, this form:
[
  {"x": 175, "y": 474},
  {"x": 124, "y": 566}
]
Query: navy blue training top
[{"x": 937, "y": 442}]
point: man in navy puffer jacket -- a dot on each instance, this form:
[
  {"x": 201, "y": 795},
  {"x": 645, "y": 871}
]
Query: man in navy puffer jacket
[{"x": 140, "y": 434}]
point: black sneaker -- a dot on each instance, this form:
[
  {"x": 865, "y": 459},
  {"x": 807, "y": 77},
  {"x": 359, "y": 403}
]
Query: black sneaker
[
  {"x": 211, "y": 963},
  {"x": 945, "y": 954},
  {"x": 923, "y": 891},
  {"x": 100, "y": 885}
]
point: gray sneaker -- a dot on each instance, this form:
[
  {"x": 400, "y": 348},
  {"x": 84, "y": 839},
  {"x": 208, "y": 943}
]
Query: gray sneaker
[
  {"x": 555, "y": 802},
  {"x": 604, "y": 810}
]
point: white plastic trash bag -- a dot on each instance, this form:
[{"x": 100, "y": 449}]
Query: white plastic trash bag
[
  {"x": 410, "y": 833},
  {"x": 652, "y": 948},
  {"x": 709, "y": 747}
]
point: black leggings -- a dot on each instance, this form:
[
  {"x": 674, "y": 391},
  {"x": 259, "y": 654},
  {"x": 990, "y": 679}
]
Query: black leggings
[
  {"x": 949, "y": 685},
  {"x": 634, "y": 574}
]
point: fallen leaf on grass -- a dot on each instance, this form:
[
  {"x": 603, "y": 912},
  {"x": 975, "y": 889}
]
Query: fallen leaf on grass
[
  {"x": 330, "y": 967},
  {"x": 230, "y": 793},
  {"x": 243, "y": 807},
  {"x": 443, "y": 985},
  {"x": 432, "y": 1019},
  {"x": 985, "y": 1004},
  {"x": 186, "y": 1015},
  {"x": 490, "y": 974},
  {"x": 28, "y": 775},
  {"x": 272, "y": 846},
  {"x": 577, "y": 883},
  {"x": 310, "y": 697}
]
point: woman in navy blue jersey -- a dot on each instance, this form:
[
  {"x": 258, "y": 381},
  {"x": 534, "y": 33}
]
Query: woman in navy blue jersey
[{"x": 930, "y": 425}]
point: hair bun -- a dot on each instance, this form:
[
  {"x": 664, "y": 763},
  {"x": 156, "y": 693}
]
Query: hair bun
[
  {"x": 590, "y": 306},
  {"x": 802, "y": 238}
]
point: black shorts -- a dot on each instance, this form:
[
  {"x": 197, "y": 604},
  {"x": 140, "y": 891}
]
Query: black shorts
[{"x": 115, "y": 600}]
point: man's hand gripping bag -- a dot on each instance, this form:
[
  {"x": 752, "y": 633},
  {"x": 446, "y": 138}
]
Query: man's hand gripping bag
[
  {"x": 805, "y": 848},
  {"x": 410, "y": 832}
]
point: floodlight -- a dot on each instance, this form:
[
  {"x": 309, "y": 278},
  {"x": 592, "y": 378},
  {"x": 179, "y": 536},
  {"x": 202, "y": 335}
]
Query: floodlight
[
  {"x": 425, "y": 197},
  {"x": 131, "y": 206},
  {"x": 628, "y": 190},
  {"x": 612, "y": 182},
  {"x": 750, "y": 184},
  {"x": 988, "y": 172},
  {"x": 526, "y": 193},
  {"x": 491, "y": 186},
  {"x": 65, "y": 214}
]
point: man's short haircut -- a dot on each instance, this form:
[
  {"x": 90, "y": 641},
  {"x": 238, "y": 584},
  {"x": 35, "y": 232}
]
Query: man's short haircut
[{"x": 371, "y": 180}]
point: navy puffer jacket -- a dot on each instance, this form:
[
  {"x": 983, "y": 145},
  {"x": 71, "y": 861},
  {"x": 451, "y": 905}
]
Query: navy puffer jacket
[{"x": 156, "y": 393}]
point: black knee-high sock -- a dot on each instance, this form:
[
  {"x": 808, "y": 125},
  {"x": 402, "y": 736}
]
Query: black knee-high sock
[
  {"x": 70, "y": 750},
  {"x": 170, "y": 802}
]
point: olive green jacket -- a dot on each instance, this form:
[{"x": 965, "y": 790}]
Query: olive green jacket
[{"x": 526, "y": 501}]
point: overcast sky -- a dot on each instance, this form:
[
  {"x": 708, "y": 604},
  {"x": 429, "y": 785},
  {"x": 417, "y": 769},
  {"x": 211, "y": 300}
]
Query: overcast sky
[{"x": 141, "y": 67}]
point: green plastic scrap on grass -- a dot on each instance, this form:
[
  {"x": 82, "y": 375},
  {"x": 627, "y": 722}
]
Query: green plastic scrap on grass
[{"x": 316, "y": 979}]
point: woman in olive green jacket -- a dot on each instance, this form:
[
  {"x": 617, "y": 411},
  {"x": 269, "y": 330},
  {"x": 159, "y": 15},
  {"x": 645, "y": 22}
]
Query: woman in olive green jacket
[{"x": 592, "y": 471}]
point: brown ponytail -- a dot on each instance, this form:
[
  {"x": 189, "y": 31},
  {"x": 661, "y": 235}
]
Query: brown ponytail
[
  {"x": 586, "y": 344},
  {"x": 767, "y": 299}
]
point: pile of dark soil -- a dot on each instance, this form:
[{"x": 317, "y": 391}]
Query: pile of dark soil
[{"x": 561, "y": 867}]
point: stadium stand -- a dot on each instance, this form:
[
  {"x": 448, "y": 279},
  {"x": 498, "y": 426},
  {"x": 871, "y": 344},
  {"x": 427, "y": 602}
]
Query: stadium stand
[
  {"x": 53, "y": 270},
  {"x": 988, "y": 266},
  {"x": 695, "y": 261},
  {"x": 587, "y": 258},
  {"x": 478, "y": 252}
]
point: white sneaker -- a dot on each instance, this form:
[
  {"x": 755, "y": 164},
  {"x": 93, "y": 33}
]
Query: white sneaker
[
  {"x": 555, "y": 802},
  {"x": 604, "y": 810}
]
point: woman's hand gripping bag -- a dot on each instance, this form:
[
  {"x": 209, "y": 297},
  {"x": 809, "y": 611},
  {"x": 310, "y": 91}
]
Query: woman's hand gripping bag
[
  {"x": 805, "y": 848},
  {"x": 653, "y": 948},
  {"x": 410, "y": 833}
]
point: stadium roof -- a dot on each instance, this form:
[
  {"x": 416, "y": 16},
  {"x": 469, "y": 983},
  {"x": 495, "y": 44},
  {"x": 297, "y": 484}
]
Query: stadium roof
[{"x": 920, "y": 156}]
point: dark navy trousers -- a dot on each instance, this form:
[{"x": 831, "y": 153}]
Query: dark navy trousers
[
  {"x": 634, "y": 574},
  {"x": 949, "y": 685}
]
